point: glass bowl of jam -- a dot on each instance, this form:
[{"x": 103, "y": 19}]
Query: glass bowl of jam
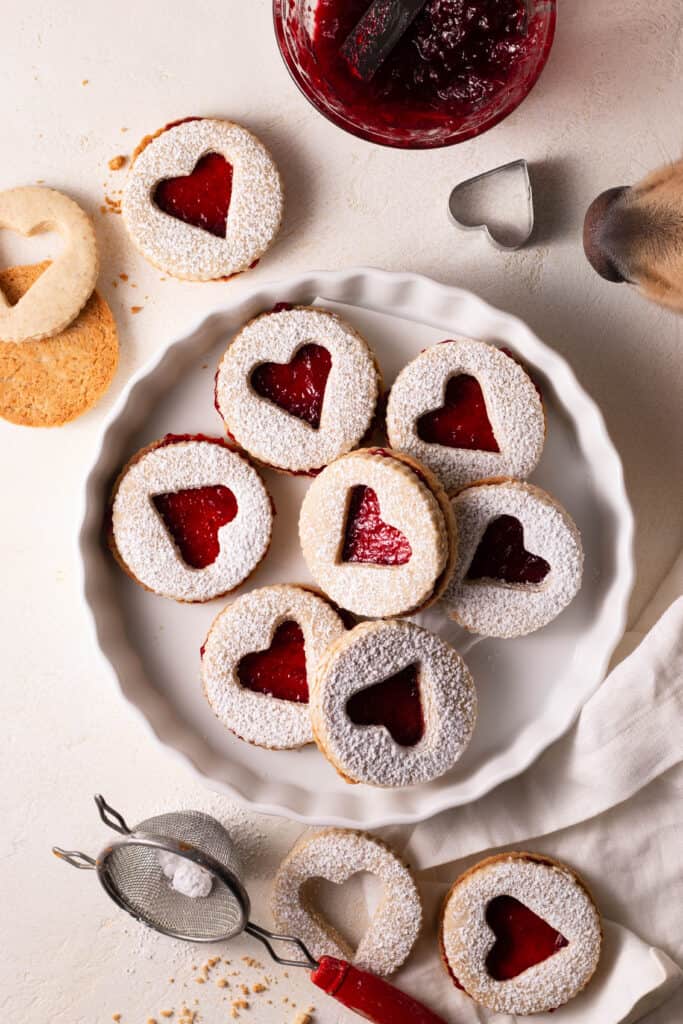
[{"x": 459, "y": 69}]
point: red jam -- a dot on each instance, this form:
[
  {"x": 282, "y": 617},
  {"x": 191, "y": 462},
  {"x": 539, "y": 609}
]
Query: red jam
[
  {"x": 298, "y": 387},
  {"x": 522, "y": 938},
  {"x": 201, "y": 198},
  {"x": 501, "y": 555},
  {"x": 462, "y": 422},
  {"x": 395, "y": 704},
  {"x": 194, "y": 517},
  {"x": 368, "y": 538},
  {"x": 281, "y": 670},
  {"x": 453, "y": 60}
]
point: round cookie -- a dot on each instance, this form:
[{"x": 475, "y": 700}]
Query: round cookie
[
  {"x": 48, "y": 383},
  {"x": 61, "y": 291},
  {"x": 257, "y": 660},
  {"x": 378, "y": 533},
  {"x": 336, "y": 855},
  {"x": 297, "y": 388},
  {"x": 392, "y": 705},
  {"x": 520, "y": 559},
  {"x": 203, "y": 199},
  {"x": 520, "y": 933},
  {"x": 468, "y": 411},
  {"x": 190, "y": 518}
]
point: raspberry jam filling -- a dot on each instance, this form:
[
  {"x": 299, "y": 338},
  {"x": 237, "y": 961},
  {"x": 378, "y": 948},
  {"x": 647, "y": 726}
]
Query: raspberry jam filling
[
  {"x": 395, "y": 704},
  {"x": 522, "y": 938},
  {"x": 367, "y": 537},
  {"x": 281, "y": 670},
  {"x": 501, "y": 555},
  {"x": 201, "y": 198},
  {"x": 193, "y": 519},
  {"x": 462, "y": 421},
  {"x": 298, "y": 387}
]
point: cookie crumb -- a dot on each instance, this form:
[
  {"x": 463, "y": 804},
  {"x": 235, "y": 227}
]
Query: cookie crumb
[
  {"x": 222, "y": 983},
  {"x": 259, "y": 987},
  {"x": 124, "y": 277},
  {"x": 116, "y": 1016},
  {"x": 138, "y": 309},
  {"x": 165, "y": 1013},
  {"x": 117, "y": 162},
  {"x": 303, "y": 1018},
  {"x": 86, "y": 81},
  {"x": 240, "y": 1004}
]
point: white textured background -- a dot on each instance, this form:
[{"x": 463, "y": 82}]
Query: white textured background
[{"x": 608, "y": 109}]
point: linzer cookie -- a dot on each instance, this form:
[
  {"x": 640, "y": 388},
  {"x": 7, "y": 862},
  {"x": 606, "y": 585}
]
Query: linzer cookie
[
  {"x": 190, "y": 518},
  {"x": 520, "y": 933},
  {"x": 297, "y": 388},
  {"x": 520, "y": 559},
  {"x": 257, "y": 661},
  {"x": 469, "y": 412},
  {"x": 378, "y": 535},
  {"x": 336, "y": 855},
  {"x": 203, "y": 199},
  {"x": 392, "y": 705}
]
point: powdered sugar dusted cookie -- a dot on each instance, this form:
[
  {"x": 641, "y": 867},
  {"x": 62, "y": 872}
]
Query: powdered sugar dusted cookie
[
  {"x": 336, "y": 855},
  {"x": 377, "y": 533},
  {"x": 297, "y": 388},
  {"x": 257, "y": 660},
  {"x": 469, "y": 412},
  {"x": 520, "y": 559},
  {"x": 190, "y": 518},
  {"x": 392, "y": 705},
  {"x": 520, "y": 933},
  {"x": 203, "y": 199}
]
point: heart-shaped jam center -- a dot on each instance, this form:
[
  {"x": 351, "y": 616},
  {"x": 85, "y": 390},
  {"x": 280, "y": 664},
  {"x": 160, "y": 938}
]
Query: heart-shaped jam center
[
  {"x": 501, "y": 555},
  {"x": 194, "y": 517},
  {"x": 367, "y": 537},
  {"x": 281, "y": 670},
  {"x": 298, "y": 387},
  {"x": 201, "y": 198},
  {"x": 462, "y": 421},
  {"x": 394, "y": 703},
  {"x": 522, "y": 938}
]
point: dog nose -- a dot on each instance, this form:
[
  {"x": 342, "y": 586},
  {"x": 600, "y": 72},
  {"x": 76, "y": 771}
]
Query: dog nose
[{"x": 596, "y": 234}]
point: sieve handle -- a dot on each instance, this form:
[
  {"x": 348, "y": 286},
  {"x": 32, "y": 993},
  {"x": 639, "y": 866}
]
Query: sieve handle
[{"x": 369, "y": 996}]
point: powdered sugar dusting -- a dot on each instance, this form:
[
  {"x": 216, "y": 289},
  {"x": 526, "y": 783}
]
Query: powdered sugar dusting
[
  {"x": 369, "y": 654},
  {"x": 255, "y": 206},
  {"x": 272, "y": 434},
  {"x": 512, "y": 404},
  {"x": 246, "y": 626},
  {"x": 495, "y": 608},
  {"x": 336, "y": 855},
  {"x": 144, "y": 544},
  {"x": 550, "y": 891}
]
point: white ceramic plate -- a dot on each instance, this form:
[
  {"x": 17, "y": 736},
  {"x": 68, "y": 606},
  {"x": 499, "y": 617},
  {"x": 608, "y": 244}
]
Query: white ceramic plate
[{"x": 530, "y": 689}]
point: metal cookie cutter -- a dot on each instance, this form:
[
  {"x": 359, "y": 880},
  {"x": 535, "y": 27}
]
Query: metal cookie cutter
[{"x": 506, "y": 235}]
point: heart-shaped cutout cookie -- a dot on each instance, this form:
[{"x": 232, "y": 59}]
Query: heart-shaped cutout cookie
[
  {"x": 298, "y": 387},
  {"x": 193, "y": 519},
  {"x": 501, "y": 555},
  {"x": 367, "y": 538},
  {"x": 462, "y": 421},
  {"x": 279, "y": 671},
  {"x": 201, "y": 198},
  {"x": 499, "y": 203},
  {"x": 394, "y": 703},
  {"x": 523, "y": 939}
]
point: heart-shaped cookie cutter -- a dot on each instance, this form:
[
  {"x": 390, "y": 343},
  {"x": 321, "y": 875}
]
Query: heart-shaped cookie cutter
[{"x": 515, "y": 166}]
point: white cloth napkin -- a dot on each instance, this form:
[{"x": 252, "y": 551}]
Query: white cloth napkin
[{"x": 607, "y": 798}]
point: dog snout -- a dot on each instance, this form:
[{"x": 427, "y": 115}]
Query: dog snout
[{"x": 600, "y": 239}]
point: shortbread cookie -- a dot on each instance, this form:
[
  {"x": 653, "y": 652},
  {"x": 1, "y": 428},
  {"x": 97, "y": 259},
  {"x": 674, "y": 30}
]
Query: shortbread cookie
[
  {"x": 61, "y": 291},
  {"x": 468, "y": 411},
  {"x": 190, "y": 518},
  {"x": 336, "y": 855},
  {"x": 520, "y": 933},
  {"x": 392, "y": 704},
  {"x": 203, "y": 199},
  {"x": 257, "y": 660},
  {"x": 297, "y": 388},
  {"x": 520, "y": 559},
  {"x": 378, "y": 534},
  {"x": 50, "y": 382}
]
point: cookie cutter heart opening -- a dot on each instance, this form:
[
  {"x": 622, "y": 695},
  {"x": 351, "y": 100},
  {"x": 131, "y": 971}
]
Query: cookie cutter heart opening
[{"x": 499, "y": 202}]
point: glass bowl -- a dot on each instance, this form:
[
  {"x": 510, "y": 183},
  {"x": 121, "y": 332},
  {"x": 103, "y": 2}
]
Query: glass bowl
[{"x": 294, "y": 23}]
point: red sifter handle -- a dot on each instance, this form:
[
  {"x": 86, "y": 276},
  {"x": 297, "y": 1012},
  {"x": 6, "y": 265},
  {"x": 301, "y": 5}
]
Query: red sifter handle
[{"x": 369, "y": 996}]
